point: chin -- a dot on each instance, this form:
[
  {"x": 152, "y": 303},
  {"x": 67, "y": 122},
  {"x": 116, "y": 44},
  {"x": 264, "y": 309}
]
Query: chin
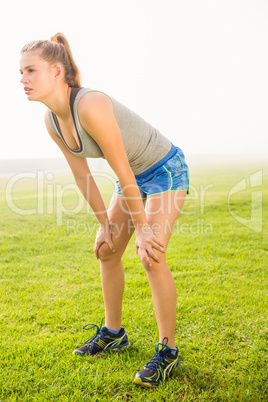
[{"x": 32, "y": 98}]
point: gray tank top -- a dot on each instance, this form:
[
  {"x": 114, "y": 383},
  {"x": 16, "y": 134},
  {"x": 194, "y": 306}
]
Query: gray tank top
[{"x": 144, "y": 144}]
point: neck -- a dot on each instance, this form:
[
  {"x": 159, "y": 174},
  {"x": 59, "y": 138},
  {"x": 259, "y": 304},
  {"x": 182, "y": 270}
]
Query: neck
[{"x": 59, "y": 102}]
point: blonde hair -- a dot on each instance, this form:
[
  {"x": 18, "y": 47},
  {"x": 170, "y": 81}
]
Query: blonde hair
[{"x": 57, "y": 50}]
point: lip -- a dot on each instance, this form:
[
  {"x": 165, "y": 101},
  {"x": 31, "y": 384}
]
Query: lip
[{"x": 27, "y": 90}]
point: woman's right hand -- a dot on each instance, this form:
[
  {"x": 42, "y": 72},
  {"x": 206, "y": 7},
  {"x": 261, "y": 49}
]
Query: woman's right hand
[{"x": 104, "y": 235}]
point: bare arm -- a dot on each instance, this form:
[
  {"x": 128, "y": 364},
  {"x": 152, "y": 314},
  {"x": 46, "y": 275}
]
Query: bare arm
[
  {"x": 96, "y": 116},
  {"x": 83, "y": 179}
]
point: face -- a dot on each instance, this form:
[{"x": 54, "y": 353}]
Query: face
[{"x": 38, "y": 77}]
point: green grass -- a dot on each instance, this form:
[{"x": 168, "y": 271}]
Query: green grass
[{"x": 50, "y": 288}]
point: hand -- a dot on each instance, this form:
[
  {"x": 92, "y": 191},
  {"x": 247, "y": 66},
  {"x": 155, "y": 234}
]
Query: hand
[
  {"x": 146, "y": 241},
  {"x": 104, "y": 235}
]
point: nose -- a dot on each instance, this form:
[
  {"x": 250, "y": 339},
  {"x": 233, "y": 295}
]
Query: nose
[{"x": 24, "y": 79}]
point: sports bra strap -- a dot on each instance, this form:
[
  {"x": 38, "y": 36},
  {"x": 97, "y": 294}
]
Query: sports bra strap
[{"x": 74, "y": 92}]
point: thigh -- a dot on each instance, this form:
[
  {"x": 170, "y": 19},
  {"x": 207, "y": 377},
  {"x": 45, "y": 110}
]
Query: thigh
[
  {"x": 122, "y": 225},
  {"x": 162, "y": 211}
]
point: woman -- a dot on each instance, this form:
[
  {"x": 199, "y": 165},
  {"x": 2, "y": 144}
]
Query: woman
[{"x": 151, "y": 172}]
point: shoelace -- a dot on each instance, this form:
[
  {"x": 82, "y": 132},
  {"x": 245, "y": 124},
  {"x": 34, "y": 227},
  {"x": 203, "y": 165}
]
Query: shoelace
[
  {"x": 157, "y": 358},
  {"x": 97, "y": 335}
]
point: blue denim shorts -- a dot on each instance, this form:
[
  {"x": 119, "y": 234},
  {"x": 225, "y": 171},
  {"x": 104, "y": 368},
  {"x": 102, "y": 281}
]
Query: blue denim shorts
[{"x": 169, "y": 174}]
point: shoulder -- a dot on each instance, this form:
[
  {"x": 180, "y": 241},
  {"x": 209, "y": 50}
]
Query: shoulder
[{"x": 94, "y": 103}]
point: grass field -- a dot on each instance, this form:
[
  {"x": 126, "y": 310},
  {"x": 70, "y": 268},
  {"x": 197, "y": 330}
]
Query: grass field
[{"x": 50, "y": 288}]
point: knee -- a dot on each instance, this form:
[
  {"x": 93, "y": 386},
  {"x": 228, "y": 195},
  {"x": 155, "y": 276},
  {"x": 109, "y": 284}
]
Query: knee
[
  {"x": 155, "y": 266},
  {"x": 105, "y": 253}
]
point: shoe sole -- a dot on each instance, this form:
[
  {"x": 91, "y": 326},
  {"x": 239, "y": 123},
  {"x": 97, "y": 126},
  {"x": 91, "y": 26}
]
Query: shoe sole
[{"x": 138, "y": 381}]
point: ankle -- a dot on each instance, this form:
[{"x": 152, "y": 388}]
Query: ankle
[
  {"x": 171, "y": 344},
  {"x": 114, "y": 331}
]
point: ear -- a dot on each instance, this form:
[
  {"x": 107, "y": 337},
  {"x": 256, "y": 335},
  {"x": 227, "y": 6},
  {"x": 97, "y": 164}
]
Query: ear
[{"x": 58, "y": 71}]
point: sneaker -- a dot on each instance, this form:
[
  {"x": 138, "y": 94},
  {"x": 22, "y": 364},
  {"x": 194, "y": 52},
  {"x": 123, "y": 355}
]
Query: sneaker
[
  {"x": 159, "y": 367},
  {"x": 102, "y": 341}
]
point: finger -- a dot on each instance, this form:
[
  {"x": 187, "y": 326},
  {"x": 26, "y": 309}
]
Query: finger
[
  {"x": 159, "y": 248},
  {"x": 96, "y": 248},
  {"x": 153, "y": 255},
  {"x": 159, "y": 245},
  {"x": 143, "y": 256},
  {"x": 111, "y": 246},
  {"x": 96, "y": 252}
]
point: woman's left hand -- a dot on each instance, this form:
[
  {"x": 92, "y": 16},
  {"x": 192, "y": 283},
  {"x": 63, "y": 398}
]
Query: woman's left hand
[{"x": 146, "y": 241}]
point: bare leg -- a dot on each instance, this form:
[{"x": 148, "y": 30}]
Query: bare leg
[
  {"x": 162, "y": 212},
  {"x": 112, "y": 273}
]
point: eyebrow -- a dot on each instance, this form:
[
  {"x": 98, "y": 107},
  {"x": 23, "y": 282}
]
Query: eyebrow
[{"x": 25, "y": 68}]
